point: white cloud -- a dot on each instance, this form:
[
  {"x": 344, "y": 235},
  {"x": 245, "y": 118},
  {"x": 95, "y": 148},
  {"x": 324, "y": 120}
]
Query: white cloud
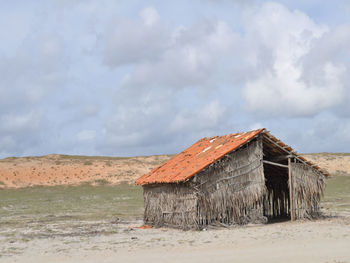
[
  {"x": 133, "y": 41},
  {"x": 137, "y": 119},
  {"x": 20, "y": 133},
  {"x": 256, "y": 126},
  {"x": 207, "y": 117},
  {"x": 149, "y": 16},
  {"x": 19, "y": 123},
  {"x": 269, "y": 58},
  {"x": 285, "y": 94},
  {"x": 86, "y": 135},
  {"x": 191, "y": 58},
  {"x": 176, "y": 75},
  {"x": 166, "y": 56},
  {"x": 167, "y": 62},
  {"x": 50, "y": 48},
  {"x": 280, "y": 87}
]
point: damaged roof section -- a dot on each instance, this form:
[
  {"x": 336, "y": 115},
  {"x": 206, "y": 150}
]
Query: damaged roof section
[
  {"x": 195, "y": 158},
  {"x": 206, "y": 151}
]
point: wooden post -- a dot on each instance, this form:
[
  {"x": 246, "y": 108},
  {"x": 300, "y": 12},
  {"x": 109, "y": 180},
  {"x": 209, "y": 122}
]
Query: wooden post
[{"x": 291, "y": 192}]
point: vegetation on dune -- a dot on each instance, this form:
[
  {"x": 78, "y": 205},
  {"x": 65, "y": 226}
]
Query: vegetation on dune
[
  {"x": 327, "y": 153},
  {"x": 82, "y": 157}
]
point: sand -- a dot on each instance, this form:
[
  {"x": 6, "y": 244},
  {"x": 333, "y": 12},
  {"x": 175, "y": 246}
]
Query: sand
[
  {"x": 334, "y": 163},
  {"x": 326, "y": 240},
  {"x": 57, "y": 169}
]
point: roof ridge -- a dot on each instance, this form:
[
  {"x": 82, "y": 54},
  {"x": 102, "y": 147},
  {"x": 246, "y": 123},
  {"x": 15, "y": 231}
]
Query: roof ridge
[
  {"x": 196, "y": 157},
  {"x": 204, "y": 152}
]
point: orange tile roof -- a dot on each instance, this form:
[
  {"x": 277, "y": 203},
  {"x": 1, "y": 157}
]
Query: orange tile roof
[
  {"x": 195, "y": 158},
  {"x": 203, "y": 153}
]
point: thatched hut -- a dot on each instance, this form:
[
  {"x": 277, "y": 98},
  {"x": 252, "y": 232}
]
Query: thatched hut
[{"x": 233, "y": 179}]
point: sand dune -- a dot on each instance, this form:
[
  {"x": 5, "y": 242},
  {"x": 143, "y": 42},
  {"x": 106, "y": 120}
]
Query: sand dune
[
  {"x": 334, "y": 163},
  {"x": 57, "y": 169},
  {"x": 67, "y": 170}
]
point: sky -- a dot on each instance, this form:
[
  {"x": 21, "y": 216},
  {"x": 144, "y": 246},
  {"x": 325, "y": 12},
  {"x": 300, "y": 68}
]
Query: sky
[{"x": 129, "y": 78}]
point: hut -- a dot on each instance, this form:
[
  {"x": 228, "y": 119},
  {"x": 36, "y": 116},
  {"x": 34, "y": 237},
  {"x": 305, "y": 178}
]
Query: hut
[{"x": 240, "y": 178}]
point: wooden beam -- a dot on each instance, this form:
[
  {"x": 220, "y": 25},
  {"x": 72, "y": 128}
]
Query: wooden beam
[
  {"x": 291, "y": 191},
  {"x": 278, "y": 158},
  {"x": 276, "y": 164},
  {"x": 275, "y": 143},
  {"x": 287, "y": 151}
]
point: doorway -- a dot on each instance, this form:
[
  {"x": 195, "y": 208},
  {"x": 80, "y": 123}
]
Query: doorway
[
  {"x": 276, "y": 205},
  {"x": 276, "y": 201}
]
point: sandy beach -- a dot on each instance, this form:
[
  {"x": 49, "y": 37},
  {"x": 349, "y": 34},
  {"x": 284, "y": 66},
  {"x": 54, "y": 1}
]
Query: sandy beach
[
  {"x": 89, "y": 223},
  {"x": 326, "y": 240}
]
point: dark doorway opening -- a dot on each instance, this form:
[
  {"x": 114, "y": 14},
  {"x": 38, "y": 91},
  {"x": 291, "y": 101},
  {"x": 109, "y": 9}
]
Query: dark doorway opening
[{"x": 276, "y": 201}]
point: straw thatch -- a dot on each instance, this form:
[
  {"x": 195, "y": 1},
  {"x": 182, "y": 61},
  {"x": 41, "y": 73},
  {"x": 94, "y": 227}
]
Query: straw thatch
[
  {"x": 230, "y": 191},
  {"x": 241, "y": 187},
  {"x": 173, "y": 205},
  {"x": 308, "y": 185}
]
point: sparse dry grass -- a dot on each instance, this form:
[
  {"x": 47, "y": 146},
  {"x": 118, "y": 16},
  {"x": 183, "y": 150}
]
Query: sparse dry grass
[
  {"x": 34, "y": 213},
  {"x": 66, "y": 220}
]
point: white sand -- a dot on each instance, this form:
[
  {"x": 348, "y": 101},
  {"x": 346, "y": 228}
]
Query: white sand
[{"x": 325, "y": 240}]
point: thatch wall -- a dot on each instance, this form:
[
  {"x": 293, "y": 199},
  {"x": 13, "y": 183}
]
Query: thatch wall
[
  {"x": 236, "y": 189},
  {"x": 229, "y": 191},
  {"x": 308, "y": 190},
  {"x": 173, "y": 205}
]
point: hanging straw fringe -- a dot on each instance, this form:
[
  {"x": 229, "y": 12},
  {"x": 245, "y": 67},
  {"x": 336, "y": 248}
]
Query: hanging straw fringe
[
  {"x": 232, "y": 191},
  {"x": 309, "y": 185}
]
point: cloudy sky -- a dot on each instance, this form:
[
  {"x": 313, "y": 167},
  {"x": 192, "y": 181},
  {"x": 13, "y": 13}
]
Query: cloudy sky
[{"x": 127, "y": 77}]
